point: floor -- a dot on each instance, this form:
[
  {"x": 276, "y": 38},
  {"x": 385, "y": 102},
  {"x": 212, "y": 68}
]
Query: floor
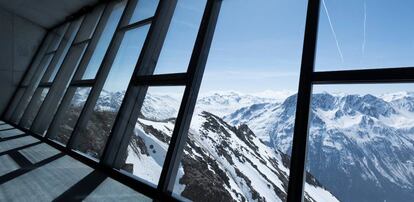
[{"x": 31, "y": 170}]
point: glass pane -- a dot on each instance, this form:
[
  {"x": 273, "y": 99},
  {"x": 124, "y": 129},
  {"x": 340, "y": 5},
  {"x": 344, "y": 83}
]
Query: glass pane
[
  {"x": 150, "y": 141},
  {"x": 178, "y": 46},
  {"x": 57, "y": 37},
  {"x": 144, "y": 9},
  {"x": 33, "y": 107},
  {"x": 104, "y": 41},
  {"x": 64, "y": 46},
  {"x": 71, "y": 114},
  {"x": 45, "y": 62},
  {"x": 361, "y": 141},
  {"x": 93, "y": 138},
  {"x": 89, "y": 24},
  {"x": 357, "y": 34}
]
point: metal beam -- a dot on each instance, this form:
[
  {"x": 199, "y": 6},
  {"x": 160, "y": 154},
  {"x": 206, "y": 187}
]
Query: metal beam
[
  {"x": 386, "y": 75},
  {"x": 76, "y": 79},
  {"x": 195, "y": 74},
  {"x": 300, "y": 135},
  {"x": 137, "y": 24},
  {"x": 128, "y": 114},
  {"x": 65, "y": 72},
  {"x": 178, "y": 79},
  {"x": 102, "y": 74}
]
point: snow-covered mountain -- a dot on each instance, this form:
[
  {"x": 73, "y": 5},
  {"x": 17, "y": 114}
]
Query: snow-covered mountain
[
  {"x": 221, "y": 162},
  {"x": 360, "y": 146},
  {"x": 225, "y": 102}
]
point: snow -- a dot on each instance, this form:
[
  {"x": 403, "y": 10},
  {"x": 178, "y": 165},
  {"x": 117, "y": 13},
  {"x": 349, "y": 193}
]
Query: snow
[{"x": 319, "y": 194}]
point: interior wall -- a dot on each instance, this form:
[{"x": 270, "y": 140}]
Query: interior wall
[{"x": 19, "y": 40}]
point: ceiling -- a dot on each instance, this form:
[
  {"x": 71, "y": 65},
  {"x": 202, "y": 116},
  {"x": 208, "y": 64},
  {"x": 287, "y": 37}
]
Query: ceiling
[{"x": 45, "y": 13}]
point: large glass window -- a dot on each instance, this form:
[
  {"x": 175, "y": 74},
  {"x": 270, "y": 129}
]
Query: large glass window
[
  {"x": 93, "y": 137},
  {"x": 361, "y": 141},
  {"x": 236, "y": 150}
]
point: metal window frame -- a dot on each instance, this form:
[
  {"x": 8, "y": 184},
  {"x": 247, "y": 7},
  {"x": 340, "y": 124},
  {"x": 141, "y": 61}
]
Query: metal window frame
[
  {"x": 31, "y": 75},
  {"x": 55, "y": 65},
  {"x": 102, "y": 73},
  {"x": 67, "y": 69},
  {"x": 41, "y": 69},
  {"x": 195, "y": 70},
  {"x": 134, "y": 97},
  {"x": 77, "y": 80}
]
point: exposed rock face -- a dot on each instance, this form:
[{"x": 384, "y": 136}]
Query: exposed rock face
[
  {"x": 360, "y": 146},
  {"x": 225, "y": 163}
]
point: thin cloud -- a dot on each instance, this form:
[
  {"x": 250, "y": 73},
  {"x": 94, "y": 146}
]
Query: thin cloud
[
  {"x": 333, "y": 31},
  {"x": 365, "y": 28}
]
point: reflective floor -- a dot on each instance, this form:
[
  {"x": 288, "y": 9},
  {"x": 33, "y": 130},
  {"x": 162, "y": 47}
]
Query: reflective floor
[{"x": 34, "y": 171}]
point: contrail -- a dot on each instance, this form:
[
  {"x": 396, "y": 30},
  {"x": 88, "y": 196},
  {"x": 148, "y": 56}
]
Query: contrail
[
  {"x": 365, "y": 28},
  {"x": 333, "y": 31}
]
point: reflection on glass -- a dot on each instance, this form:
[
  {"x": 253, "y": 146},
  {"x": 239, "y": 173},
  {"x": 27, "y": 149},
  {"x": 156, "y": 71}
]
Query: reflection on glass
[
  {"x": 89, "y": 24},
  {"x": 57, "y": 35},
  {"x": 34, "y": 107},
  {"x": 93, "y": 138},
  {"x": 361, "y": 141},
  {"x": 71, "y": 115},
  {"x": 178, "y": 46},
  {"x": 65, "y": 46},
  {"x": 144, "y": 9},
  {"x": 367, "y": 34},
  {"x": 27, "y": 96},
  {"x": 149, "y": 142},
  {"x": 104, "y": 41}
]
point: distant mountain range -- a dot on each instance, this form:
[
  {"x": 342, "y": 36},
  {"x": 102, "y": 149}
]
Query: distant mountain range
[{"x": 361, "y": 146}]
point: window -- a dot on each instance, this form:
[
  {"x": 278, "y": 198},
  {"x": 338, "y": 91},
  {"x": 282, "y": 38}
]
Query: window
[
  {"x": 75, "y": 98},
  {"x": 93, "y": 137},
  {"x": 233, "y": 149},
  {"x": 83, "y": 75}
]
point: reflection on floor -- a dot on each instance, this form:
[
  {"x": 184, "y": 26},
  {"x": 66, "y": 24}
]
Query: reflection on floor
[{"x": 34, "y": 171}]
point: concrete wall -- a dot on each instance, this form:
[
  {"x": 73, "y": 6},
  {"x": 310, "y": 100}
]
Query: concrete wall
[{"x": 19, "y": 40}]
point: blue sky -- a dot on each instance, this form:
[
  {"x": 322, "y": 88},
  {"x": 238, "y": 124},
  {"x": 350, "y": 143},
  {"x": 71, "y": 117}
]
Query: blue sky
[{"x": 258, "y": 43}]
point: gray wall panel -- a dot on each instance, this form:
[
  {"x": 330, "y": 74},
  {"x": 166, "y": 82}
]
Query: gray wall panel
[{"x": 19, "y": 40}]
